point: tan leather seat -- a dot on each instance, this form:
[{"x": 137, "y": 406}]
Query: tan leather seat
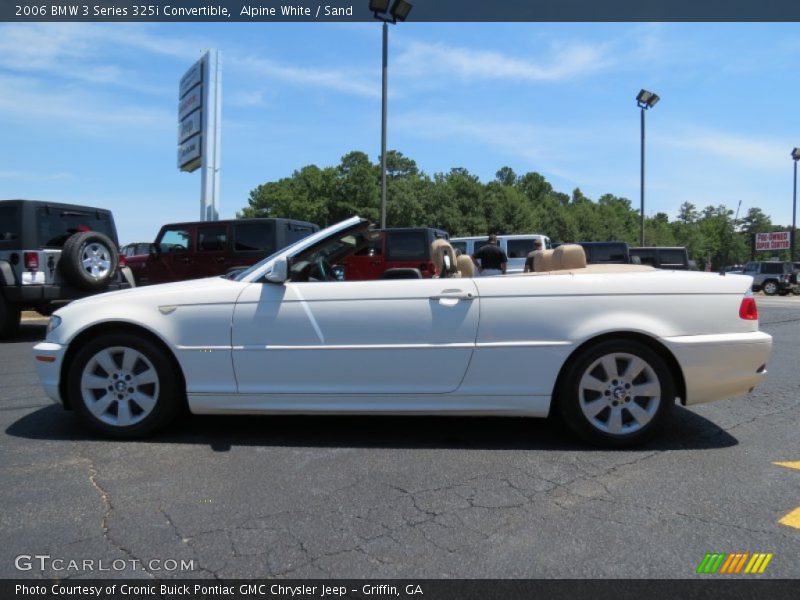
[
  {"x": 542, "y": 261},
  {"x": 568, "y": 257},
  {"x": 441, "y": 250},
  {"x": 466, "y": 268},
  {"x": 459, "y": 266}
]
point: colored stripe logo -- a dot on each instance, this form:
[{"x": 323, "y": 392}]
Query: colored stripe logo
[{"x": 734, "y": 563}]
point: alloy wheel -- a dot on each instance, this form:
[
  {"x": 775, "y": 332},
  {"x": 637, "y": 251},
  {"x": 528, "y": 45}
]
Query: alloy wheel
[
  {"x": 619, "y": 393},
  {"x": 96, "y": 260},
  {"x": 119, "y": 386}
]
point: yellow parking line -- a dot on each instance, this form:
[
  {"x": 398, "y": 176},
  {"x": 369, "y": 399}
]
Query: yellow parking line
[
  {"x": 789, "y": 465},
  {"x": 792, "y": 519}
]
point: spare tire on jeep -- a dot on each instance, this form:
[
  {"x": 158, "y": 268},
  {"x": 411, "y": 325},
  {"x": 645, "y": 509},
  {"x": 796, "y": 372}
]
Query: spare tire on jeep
[{"x": 89, "y": 260}]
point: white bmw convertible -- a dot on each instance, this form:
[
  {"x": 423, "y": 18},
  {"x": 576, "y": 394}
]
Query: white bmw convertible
[{"x": 610, "y": 347}]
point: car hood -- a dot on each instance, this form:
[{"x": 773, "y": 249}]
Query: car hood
[{"x": 211, "y": 290}]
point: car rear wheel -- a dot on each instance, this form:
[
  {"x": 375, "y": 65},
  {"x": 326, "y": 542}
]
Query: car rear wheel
[
  {"x": 616, "y": 393},
  {"x": 89, "y": 260},
  {"x": 770, "y": 287},
  {"x": 9, "y": 317},
  {"x": 122, "y": 385}
]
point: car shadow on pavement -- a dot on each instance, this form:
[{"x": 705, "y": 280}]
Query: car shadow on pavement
[
  {"x": 29, "y": 331},
  {"x": 684, "y": 431}
]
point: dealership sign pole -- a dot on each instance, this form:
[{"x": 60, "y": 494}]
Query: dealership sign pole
[{"x": 199, "y": 134}]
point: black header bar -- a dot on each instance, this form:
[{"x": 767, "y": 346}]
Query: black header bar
[{"x": 423, "y": 10}]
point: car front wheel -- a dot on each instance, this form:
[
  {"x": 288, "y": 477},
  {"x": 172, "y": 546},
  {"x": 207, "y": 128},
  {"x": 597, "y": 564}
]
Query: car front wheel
[
  {"x": 123, "y": 386},
  {"x": 616, "y": 393}
]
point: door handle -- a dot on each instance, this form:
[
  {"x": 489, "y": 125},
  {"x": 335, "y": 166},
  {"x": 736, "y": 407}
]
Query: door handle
[
  {"x": 453, "y": 295},
  {"x": 185, "y": 260}
]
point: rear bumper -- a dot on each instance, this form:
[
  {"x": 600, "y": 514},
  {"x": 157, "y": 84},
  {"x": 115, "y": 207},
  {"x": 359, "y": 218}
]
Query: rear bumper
[
  {"x": 32, "y": 295},
  {"x": 48, "y": 357},
  {"x": 720, "y": 366}
]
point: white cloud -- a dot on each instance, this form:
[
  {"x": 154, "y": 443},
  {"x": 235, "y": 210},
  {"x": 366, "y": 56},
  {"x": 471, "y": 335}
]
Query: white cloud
[
  {"x": 752, "y": 152},
  {"x": 342, "y": 80},
  {"x": 544, "y": 149},
  {"x": 26, "y": 98},
  {"x": 566, "y": 61},
  {"x": 77, "y": 51},
  {"x": 245, "y": 99},
  {"x": 32, "y": 176}
]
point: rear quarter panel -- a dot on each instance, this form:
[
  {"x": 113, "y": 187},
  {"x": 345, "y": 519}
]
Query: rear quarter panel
[{"x": 530, "y": 324}]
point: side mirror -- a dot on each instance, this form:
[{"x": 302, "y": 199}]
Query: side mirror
[
  {"x": 279, "y": 271},
  {"x": 154, "y": 250}
]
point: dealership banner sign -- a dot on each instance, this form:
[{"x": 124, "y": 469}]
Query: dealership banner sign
[{"x": 777, "y": 240}]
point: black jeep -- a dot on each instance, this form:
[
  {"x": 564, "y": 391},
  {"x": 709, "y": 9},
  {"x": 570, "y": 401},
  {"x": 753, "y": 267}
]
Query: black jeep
[{"x": 52, "y": 253}]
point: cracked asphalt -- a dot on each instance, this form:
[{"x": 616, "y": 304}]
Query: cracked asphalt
[{"x": 416, "y": 497}]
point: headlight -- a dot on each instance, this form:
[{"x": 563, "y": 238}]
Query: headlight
[{"x": 53, "y": 323}]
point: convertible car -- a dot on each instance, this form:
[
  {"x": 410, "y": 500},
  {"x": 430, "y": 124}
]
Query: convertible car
[{"x": 610, "y": 347}]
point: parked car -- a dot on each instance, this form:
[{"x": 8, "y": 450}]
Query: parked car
[
  {"x": 208, "y": 248},
  {"x": 662, "y": 257},
  {"x": 52, "y": 253},
  {"x": 604, "y": 253},
  {"x": 516, "y": 246},
  {"x": 398, "y": 253},
  {"x": 610, "y": 347},
  {"x": 773, "y": 277},
  {"x": 135, "y": 249}
]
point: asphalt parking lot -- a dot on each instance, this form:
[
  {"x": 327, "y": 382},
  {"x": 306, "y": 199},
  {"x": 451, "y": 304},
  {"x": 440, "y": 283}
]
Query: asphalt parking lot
[{"x": 402, "y": 497}]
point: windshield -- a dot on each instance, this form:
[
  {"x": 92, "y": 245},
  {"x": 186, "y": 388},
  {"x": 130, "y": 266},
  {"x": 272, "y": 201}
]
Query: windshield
[{"x": 294, "y": 248}]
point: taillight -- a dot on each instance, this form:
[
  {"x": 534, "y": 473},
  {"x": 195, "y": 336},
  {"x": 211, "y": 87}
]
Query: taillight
[
  {"x": 123, "y": 262},
  {"x": 748, "y": 309},
  {"x": 32, "y": 261}
]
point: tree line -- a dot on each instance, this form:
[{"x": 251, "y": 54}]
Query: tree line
[{"x": 458, "y": 202}]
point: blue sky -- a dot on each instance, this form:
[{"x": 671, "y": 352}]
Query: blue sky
[{"x": 88, "y": 111}]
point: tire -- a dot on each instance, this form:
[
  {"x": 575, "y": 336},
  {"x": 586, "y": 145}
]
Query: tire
[
  {"x": 770, "y": 287},
  {"x": 89, "y": 260},
  {"x": 623, "y": 419},
  {"x": 123, "y": 362},
  {"x": 10, "y": 317}
]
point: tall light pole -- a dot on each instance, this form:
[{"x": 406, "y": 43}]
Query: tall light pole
[
  {"x": 793, "y": 242},
  {"x": 644, "y": 100},
  {"x": 381, "y": 11}
]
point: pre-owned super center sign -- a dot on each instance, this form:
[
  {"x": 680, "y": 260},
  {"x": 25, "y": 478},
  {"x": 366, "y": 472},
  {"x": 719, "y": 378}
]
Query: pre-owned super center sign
[{"x": 777, "y": 240}]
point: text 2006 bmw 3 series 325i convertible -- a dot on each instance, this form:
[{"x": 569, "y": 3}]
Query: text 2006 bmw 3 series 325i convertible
[{"x": 610, "y": 347}]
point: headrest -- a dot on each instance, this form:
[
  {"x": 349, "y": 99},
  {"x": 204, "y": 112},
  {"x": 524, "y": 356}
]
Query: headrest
[
  {"x": 543, "y": 260},
  {"x": 439, "y": 249},
  {"x": 465, "y": 266},
  {"x": 569, "y": 256}
]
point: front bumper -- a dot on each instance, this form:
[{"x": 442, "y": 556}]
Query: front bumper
[
  {"x": 48, "y": 357},
  {"x": 721, "y": 365}
]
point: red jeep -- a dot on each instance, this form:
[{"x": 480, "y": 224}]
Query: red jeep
[
  {"x": 209, "y": 248},
  {"x": 408, "y": 249}
]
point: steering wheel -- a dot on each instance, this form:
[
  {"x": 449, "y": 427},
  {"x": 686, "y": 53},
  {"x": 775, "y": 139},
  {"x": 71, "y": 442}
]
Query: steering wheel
[{"x": 322, "y": 270}]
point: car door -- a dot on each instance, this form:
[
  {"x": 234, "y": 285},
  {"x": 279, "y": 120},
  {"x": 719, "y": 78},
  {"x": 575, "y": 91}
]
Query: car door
[
  {"x": 355, "y": 337},
  {"x": 171, "y": 260},
  {"x": 212, "y": 251}
]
